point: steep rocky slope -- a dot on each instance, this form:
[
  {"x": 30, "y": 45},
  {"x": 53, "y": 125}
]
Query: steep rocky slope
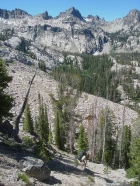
[
  {"x": 63, "y": 170},
  {"x": 44, "y": 85}
]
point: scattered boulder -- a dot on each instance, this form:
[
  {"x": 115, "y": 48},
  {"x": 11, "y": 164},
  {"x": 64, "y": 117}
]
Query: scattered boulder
[{"x": 36, "y": 168}]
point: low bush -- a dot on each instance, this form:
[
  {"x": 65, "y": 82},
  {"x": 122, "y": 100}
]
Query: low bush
[
  {"x": 24, "y": 178},
  {"x": 27, "y": 141},
  {"x": 130, "y": 173}
]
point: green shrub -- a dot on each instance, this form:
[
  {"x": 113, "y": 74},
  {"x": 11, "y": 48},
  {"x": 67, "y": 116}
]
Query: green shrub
[
  {"x": 91, "y": 178},
  {"x": 106, "y": 170},
  {"x": 41, "y": 150},
  {"x": 24, "y": 178},
  {"x": 76, "y": 162},
  {"x": 134, "y": 183},
  {"x": 27, "y": 141},
  {"x": 130, "y": 173}
]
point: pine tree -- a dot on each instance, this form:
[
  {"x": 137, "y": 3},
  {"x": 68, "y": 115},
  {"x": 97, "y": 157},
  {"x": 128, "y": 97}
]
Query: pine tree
[
  {"x": 6, "y": 101},
  {"x": 46, "y": 125},
  {"x": 126, "y": 146},
  {"x": 99, "y": 139},
  {"x": 65, "y": 115},
  {"x": 42, "y": 66},
  {"x": 110, "y": 139},
  {"x": 82, "y": 140},
  {"x": 50, "y": 137},
  {"x": 57, "y": 131},
  {"x": 43, "y": 124},
  {"x": 28, "y": 121},
  {"x": 135, "y": 157}
]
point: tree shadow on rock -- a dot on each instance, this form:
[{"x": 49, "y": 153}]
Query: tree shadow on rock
[
  {"x": 88, "y": 172},
  {"x": 52, "y": 180},
  {"x": 59, "y": 166}
]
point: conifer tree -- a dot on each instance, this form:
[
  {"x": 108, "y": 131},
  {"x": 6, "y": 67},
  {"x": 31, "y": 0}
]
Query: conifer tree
[
  {"x": 82, "y": 140},
  {"x": 135, "y": 157},
  {"x": 42, "y": 124},
  {"x": 110, "y": 139},
  {"x": 126, "y": 146},
  {"x": 50, "y": 137},
  {"x": 6, "y": 101},
  {"x": 57, "y": 131},
  {"x": 28, "y": 121},
  {"x": 65, "y": 115}
]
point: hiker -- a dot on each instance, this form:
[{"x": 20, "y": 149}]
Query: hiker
[{"x": 82, "y": 158}]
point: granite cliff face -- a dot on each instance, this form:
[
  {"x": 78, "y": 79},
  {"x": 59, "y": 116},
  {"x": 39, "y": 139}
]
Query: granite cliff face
[
  {"x": 17, "y": 13},
  {"x": 69, "y": 31}
]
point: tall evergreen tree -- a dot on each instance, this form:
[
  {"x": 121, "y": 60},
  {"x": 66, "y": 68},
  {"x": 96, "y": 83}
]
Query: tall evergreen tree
[
  {"x": 110, "y": 139},
  {"x": 65, "y": 116},
  {"x": 28, "y": 121},
  {"x": 6, "y": 101},
  {"x": 135, "y": 157},
  {"x": 43, "y": 124},
  {"x": 50, "y": 137},
  {"x": 42, "y": 66},
  {"x": 82, "y": 139},
  {"x": 126, "y": 146},
  {"x": 57, "y": 132}
]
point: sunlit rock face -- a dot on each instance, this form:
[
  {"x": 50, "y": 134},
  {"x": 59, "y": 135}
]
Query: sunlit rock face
[{"x": 69, "y": 31}]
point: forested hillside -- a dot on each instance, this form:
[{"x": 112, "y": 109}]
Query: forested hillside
[{"x": 95, "y": 75}]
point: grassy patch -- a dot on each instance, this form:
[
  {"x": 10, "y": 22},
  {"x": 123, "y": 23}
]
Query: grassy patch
[
  {"x": 24, "y": 178},
  {"x": 130, "y": 173},
  {"x": 27, "y": 141},
  {"x": 76, "y": 162},
  {"x": 91, "y": 178}
]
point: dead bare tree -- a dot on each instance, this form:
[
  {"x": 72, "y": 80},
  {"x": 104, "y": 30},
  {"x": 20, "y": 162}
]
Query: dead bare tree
[
  {"x": 104, "y": 128},
  {"x": 121, "y": 138},
  {"x": 92, "y": 128},
  {"x": 23, "y": 106}
]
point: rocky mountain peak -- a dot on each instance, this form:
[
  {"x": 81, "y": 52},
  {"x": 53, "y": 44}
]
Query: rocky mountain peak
[
  {"x": 132, "y": 17},
  {"x": 72, "y": 12},
  {"x": 134, "y": 12},
  {"x": 92, "y": 18},
  {"x": 46, "y": 16},
  {"x": 75, "y": 13},
  {"x": 16, "y": 13}
]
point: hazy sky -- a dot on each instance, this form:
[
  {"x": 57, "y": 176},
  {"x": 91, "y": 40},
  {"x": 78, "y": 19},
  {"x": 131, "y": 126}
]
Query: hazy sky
[{"x": 109, "y": 9}]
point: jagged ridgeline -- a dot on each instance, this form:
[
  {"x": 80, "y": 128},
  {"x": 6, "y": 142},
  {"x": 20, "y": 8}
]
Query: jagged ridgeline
[{"x": 94, "y": 74}]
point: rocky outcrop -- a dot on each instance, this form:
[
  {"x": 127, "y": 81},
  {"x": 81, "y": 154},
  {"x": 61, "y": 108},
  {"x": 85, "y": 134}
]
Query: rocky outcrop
[
  {"x": 132, "y": 17},
  {"x": 36, "y": 168},
  {"x": 71, "y": 15},
  {"x": 70, "y": 31},
  {"x": 9, "y": 54},
  {"x": 46, "y": 16},
  {"x": 17, "y": 13}
]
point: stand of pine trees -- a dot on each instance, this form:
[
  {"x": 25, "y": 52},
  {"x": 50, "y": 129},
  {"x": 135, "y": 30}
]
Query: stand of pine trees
[
  {"x": 6, "y": 101},
  {"x": 42, "y": 124}
]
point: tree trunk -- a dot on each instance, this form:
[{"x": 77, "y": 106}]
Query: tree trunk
[
  {"x": 104, "y": 129},
  {"x": 23, "y": 106},
  {"x": 121, "y": 140},
  {"x": 94, "y": 128}
]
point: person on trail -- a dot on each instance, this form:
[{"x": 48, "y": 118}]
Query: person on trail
[{"x": 82, "y": 158}]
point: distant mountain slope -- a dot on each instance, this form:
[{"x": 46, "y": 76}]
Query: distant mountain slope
[
  {"x": 44, "y": 85},
  {"x": 72, "y": 32}
]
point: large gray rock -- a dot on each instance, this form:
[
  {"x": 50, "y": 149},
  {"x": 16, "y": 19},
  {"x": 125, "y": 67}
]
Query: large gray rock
[{"x": 36, "y": 168}]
